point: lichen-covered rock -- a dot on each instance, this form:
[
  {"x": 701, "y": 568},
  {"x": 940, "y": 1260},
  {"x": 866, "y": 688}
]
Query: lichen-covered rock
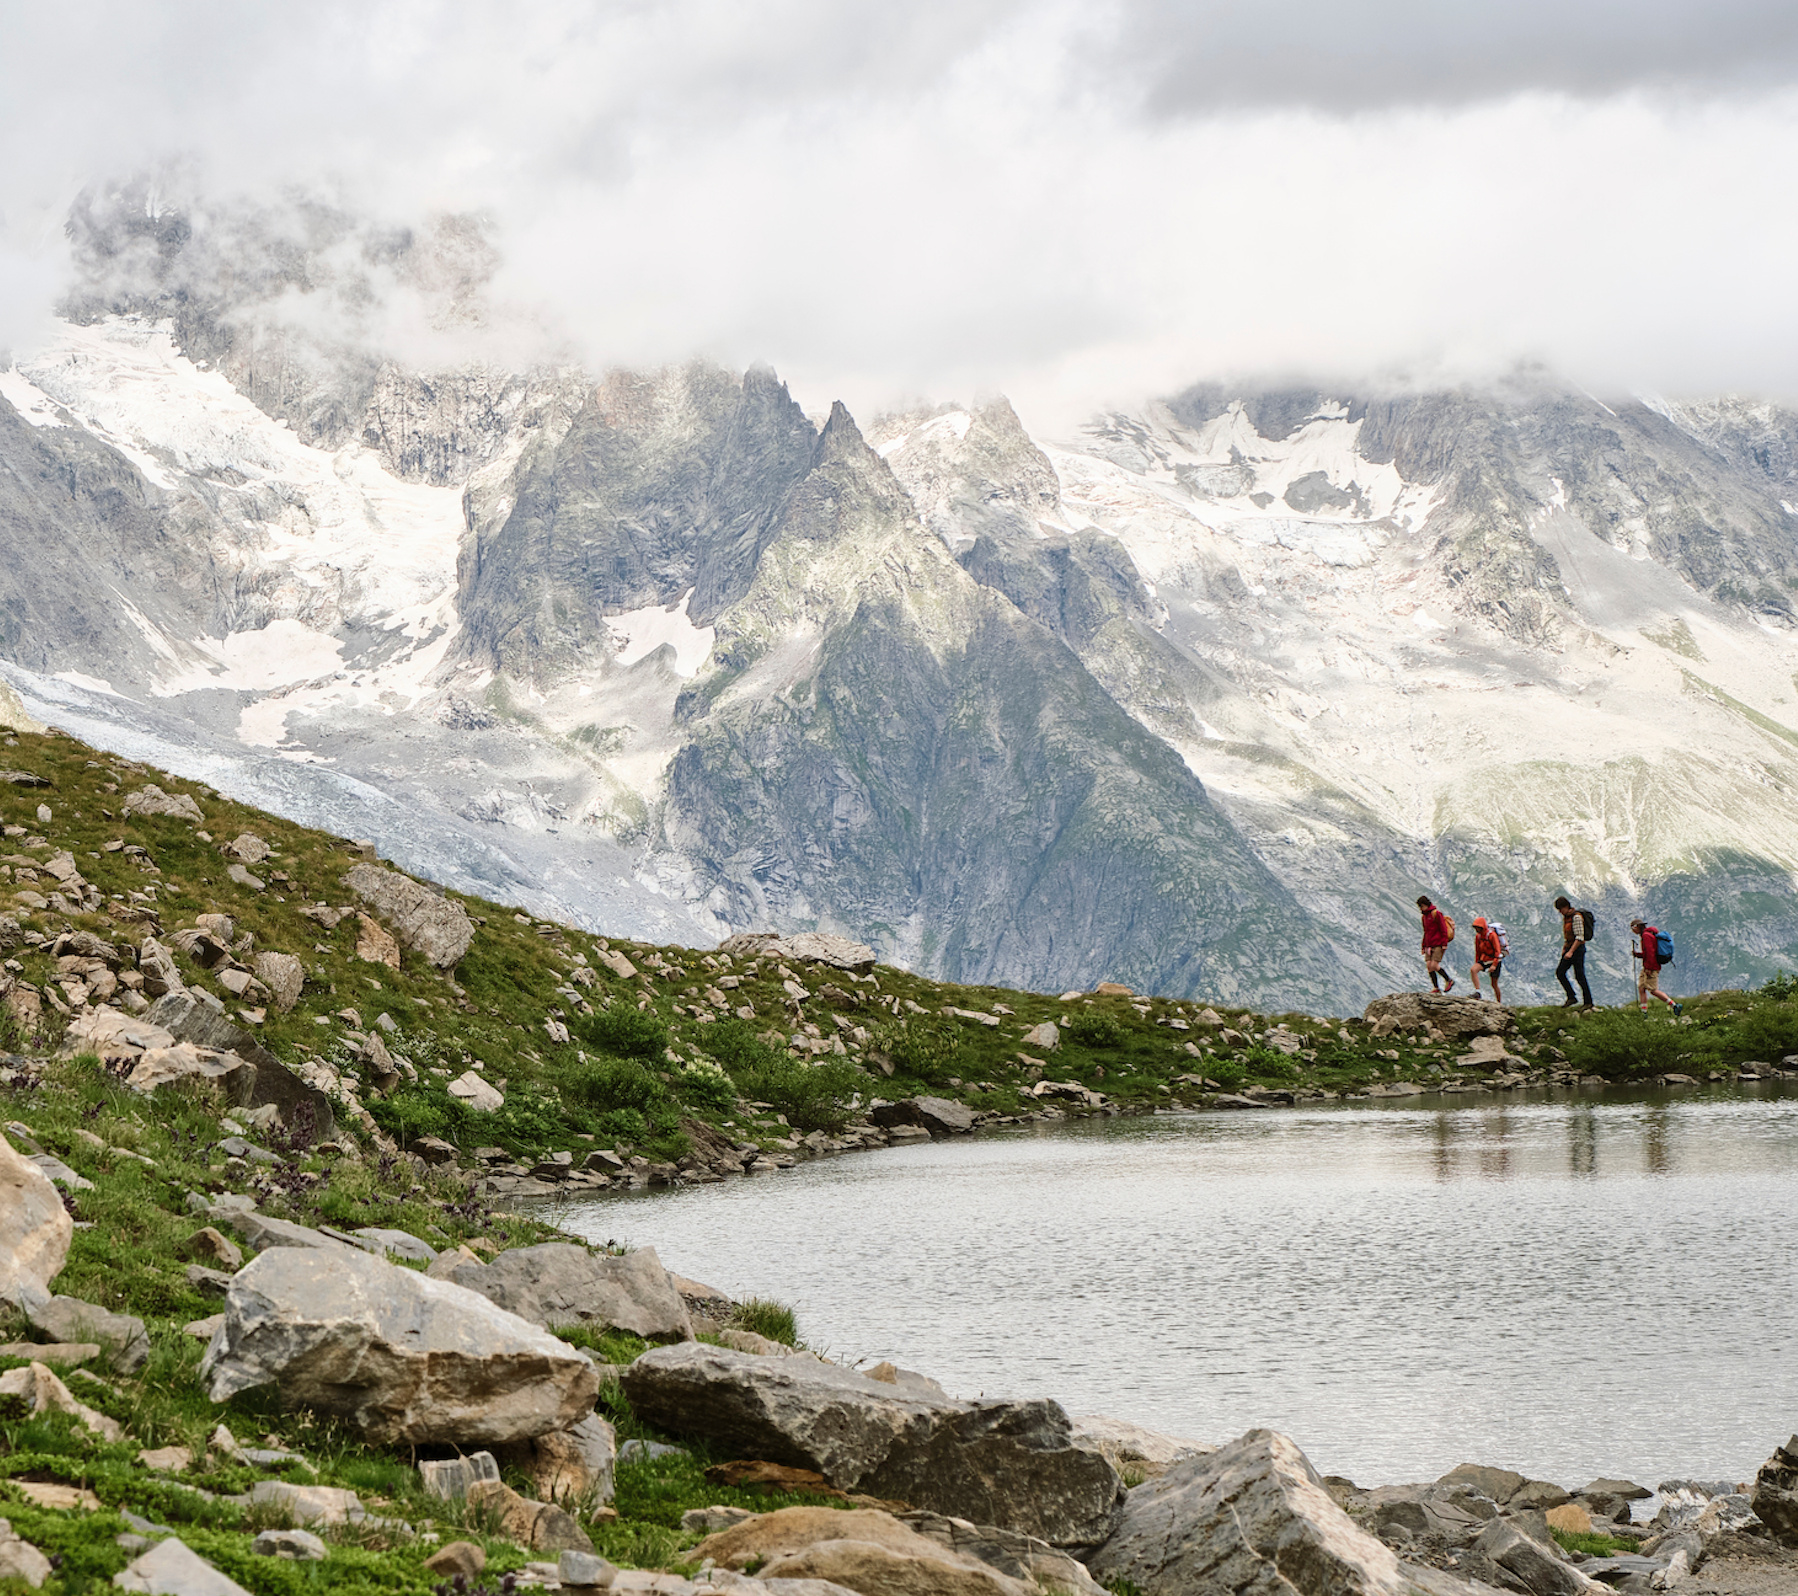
[
  {"x": 401, "y": 1356},
  {"x": 436, "y": 927},
  {"x": 152, "y": 800},
  {"x": 283, "y": 975},
  {"x": 35, "y": 1230},
  {"x": 1453, "y": 1016}
]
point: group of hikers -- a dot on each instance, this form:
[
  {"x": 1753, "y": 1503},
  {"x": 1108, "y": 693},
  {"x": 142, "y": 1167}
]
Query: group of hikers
[{"x": 1651, "y": 948}]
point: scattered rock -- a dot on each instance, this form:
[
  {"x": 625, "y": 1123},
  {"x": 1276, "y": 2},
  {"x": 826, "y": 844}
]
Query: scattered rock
[
  {"x": 19, "y": 1559},
  {"x": 375, "y": 944},
  {"x": 400, "y": 1244},
  {"x": 150, "y": 800},
  {"x": 1022, "y": 1557},
  {"x": 66, "y": 1353},
  {"x": 561, "y": 1284},
  {"x": 1537, "y": 1567},
  {"x": 808, "y": 947},
  {"x": 573, "y": 1465},
  {"x": 249, "y": 848},
  {"x": 69, "y": 1319},
  {"x": 435, "y": 1150},
  {"x": 167, "y": 1459},
  {"x": 477, "y": 1093},
  {"x": 41, "y": 1392},
  {"x": 262, "y": 1232},
  {"x": 243, "y": 878},
  {"x": 864, "y": 1549},
  {"x": 169, "y": 1568},
  {"x": 1044, "y": 1037},
  {"x": 61, "y": 1498},
  {"x": 214, "y": 1245},
  {"x": 401, "y": 1356},
  {"x": 35, "y": 1230},
  {"x": 208, "y": 1282},
  {"x": 451, "y": 1477},
  {"x": 298, "y": 1545},
  {"x": 284, "y": 976},
  {"x": 1147, "y": 1452},
  {"x": 1013, "y": 1464},
  {"x": 311, "y": 1504},
  {"x": 1253, "y": 1519},
  {"x": 585, "y": 1570},
  {"x": 297, "y": 1102},
  {"x": 436, "y": 927},
  {"x": 458, "y": 1557},
  {"x": 541, "y": 1525},
  {"x": 709, "y": 1520}
]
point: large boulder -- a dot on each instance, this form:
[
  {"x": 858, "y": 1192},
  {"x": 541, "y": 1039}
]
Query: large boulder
[
  {"x": 561, "y": 1284},
  {"x": 1251, "y": 1519},
  {"x": 938, "y": 1115},
  {"x": 1776, "y": 1493},
  {"x": 1011, "y": 1464},
  {"x": 403, "y": 1357},
  {"x": 436, "y": 927},
  {"x": 187, "y": 1019},
  {"x": 1453, "y": 1016},
  {"x": 35, "y": 1230}
]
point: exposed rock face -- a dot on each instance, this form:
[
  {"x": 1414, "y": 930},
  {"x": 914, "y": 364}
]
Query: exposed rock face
[
  {"x": 1453, "y": 1016},
  {"x": 152, "y": 800},
  {"x": 1253, "y": 1517},
  {"x": 35, "y": 1230},
  {"x": 189, "y": 1020},
  {"x": 1013, "y": 1464},
  {"x": 939, "y": 1115},
  {"x": 559, "y": 1283},
  {"x": 401, "y": 1356},
  {"x": 805, "y": 947},
  {"x": 436, "y": 927}
]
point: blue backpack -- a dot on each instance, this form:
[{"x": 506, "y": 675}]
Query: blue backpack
[{"x": 1663, "y": 947}]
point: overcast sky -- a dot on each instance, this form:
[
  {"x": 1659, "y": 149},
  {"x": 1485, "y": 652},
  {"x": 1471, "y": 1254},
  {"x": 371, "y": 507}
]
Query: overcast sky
[{"x": 1074, "y": 203}]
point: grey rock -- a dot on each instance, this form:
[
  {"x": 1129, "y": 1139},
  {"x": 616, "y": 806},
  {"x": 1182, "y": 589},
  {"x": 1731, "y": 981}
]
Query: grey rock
[
  {"x": 1252, "y": 1519},
  {"x": 284, "y": 976},
  {"x": 430, "y": 924},
  {"x": 938, "y": 1115},
  {"x": 1537, "y": 1567},
  {"x": 1627, "y": 1489},
  {"x": 587, "y": 1569},
  {"x": 639, "y": 1451},
  {"x": 311, "y": 1504},
  {"x": 1776, "y": 1493},
  {"x": 709, "y": 1520},
  {"x": 298, "y": 1544},
  {"x": 1021, "y": 1557},
  {"x": 35, "y": 1230},
  {"x": 450, "y": 1478},
  {"x": 400, "y": 1243},
  {"x": 152, "y": 800},
  {"x": 66, "y": 1319},
  {"x": 20, "y": 1560},
  {"x": 237, "y": 1147},
  {"x": 208, "y": 1282},
  {"x": 60, "y": 1173},
  {"x": 401, "y": 1356},
  {"x": 1459, "y": 1017},
  {"x": 1498, "y": 1484},
  {"x": 188, "y": 1019},
  {"x": 171, "y": 1568},
  {"x": 262, "y": 1232},
  {"x": 559, "y": 1284},
  {"x": 1012, "y": 1464}
]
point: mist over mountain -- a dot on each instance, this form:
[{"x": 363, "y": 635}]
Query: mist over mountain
[{"x": 1197, "y": 694}]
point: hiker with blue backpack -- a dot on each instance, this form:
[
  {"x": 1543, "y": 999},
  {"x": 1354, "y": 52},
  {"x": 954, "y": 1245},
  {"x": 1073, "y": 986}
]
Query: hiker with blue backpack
[{"x": 1654, "y": 952}]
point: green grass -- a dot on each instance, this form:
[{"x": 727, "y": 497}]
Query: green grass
[
  {"x": 763, "y": 1317},
  {"x": 1591, "y": 1543}
]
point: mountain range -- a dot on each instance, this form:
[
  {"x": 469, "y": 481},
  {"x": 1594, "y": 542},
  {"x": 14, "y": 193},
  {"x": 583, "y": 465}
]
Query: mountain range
[{"x": 1198, "y": 696}]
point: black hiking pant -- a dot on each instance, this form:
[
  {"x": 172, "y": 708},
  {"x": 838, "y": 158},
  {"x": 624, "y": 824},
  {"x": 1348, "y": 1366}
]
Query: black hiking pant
[{"x": 1576, "y": 962}]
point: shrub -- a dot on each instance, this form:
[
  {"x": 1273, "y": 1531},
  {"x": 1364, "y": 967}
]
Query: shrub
[
  {"x": 1225, "y": 1071},
  {"x": 924, "y": 1047},
  {"x": 1767, "y": 1034},
  {"x": 1620, "y": 1044},
  {"x": 703, "y": 1083},
  {"x": 1090, "y": 1029},
  {"x": 602, "y": 1086},
  {"x": 814, "y": 1097},
  {"x": 624, "y": 1031},
  {"x": 735, "y": 1044}
]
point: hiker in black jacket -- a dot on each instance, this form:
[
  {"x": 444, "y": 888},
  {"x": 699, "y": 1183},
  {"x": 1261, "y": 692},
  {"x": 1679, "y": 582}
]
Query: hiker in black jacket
[{"x": 1574, "y": 925}]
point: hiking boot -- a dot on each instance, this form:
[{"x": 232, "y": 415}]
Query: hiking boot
[
  {"x": 1678, "y": 1009},
  {"x": 1449, "y": 984},
  {"x": 1571, "y": 1003},
  {"x": 1585, "y": 1006}
]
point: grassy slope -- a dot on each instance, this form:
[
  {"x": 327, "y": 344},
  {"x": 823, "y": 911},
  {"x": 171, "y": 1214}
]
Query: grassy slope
[{"x": 493, "y": 1008}]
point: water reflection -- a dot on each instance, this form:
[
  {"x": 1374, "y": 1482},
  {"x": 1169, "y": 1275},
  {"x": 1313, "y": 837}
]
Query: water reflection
[{"x": 1568, "y": 1287}]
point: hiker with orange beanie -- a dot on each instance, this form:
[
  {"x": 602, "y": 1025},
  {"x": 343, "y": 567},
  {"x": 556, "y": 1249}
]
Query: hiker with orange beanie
[{"x": 1488, "y": 956}]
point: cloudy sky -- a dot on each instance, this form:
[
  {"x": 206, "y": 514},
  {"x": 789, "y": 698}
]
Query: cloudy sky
[{"x": 1071, "y": 202}]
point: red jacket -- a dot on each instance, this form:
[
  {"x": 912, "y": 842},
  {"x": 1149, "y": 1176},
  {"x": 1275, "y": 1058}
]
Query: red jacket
[
  {"x": 1435, "y": 929},
  {"x": 1651, "y": 958},
  {"x": 1486, "y": 949}
]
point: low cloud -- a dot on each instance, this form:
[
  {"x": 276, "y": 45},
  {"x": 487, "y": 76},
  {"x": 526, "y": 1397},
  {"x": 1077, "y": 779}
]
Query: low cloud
[{"x": 1073, "y": 204}]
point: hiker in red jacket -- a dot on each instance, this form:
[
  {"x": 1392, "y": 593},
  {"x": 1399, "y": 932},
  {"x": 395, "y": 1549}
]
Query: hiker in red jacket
[
  {"x": 1647, "y": 953},
  {"x": 1488, "y": 955},
  {"x": 1437, "y": 934}
]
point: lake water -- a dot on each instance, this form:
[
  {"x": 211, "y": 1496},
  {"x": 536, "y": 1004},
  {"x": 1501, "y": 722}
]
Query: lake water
[{"x": 1571, "y": 1288}]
